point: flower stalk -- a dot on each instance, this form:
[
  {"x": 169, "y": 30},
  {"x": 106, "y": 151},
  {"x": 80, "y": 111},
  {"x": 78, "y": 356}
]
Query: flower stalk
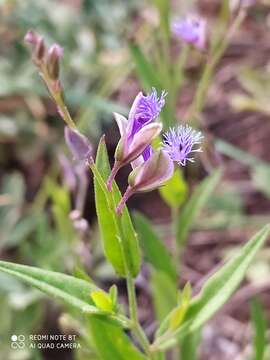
[{"x": 201, "y": 92}]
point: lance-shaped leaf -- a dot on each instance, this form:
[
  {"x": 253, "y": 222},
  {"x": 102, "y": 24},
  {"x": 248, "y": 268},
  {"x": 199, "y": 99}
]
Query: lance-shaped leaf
[
  {"x": 216, "y": 291},
  {"x": 119, "y": 239},
  {"x": 73, "y": 291},
  {"x": 146, "y": 72},
  {"x": 111, "y": 342},
  {"x": 70, "y": 290},
  {"x": 197, "y": 201}
]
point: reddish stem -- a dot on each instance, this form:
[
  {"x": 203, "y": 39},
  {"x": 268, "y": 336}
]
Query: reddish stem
[
  {"x": 125, "y": 197},
  {"x": 115, "y": 169}
]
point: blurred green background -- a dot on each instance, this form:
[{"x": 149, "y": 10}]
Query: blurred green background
[{"x": 102, "y": 70}]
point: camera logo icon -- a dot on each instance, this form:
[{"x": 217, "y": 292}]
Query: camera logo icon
[{"x": 17, "y": 341}]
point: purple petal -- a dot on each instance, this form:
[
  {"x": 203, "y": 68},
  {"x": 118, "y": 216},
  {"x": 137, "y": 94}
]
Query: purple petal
[{"x": 179, "y": 142}]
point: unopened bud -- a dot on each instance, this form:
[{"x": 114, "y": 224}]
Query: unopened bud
[
  {"x": 152, "y": 173},
  {"x": 53, "y": 61},
  {"x": 78, "y": 144},
  {"x": 39, "y": 51},
  {"x": 39, "y": 48},
  {"x": 31, "y": 37},
  {"x": 148, "y": 176}
]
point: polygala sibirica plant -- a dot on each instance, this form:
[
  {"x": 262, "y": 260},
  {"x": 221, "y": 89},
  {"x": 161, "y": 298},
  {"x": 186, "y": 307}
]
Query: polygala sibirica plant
[{"x": 156, "y": 158}]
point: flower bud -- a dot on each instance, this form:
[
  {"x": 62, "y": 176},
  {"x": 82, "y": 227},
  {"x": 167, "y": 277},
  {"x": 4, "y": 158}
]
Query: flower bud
[
  {"x": 148, "y": 176},
  {"x": 126, "y": 152},
  {"x": 53, "y": 61},
  {"x": 39, "y": 48},
  {"x": 78, "y": 144},
  {"x": 138, "y": 131},
  {"x": 31, "y": 37},
  {"x": 152, "y": 173},
  {"x": 129, "y": 150},
  {"x": 39, "y": 51}
]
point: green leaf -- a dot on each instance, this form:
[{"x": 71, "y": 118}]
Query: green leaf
[
  {"x": 216, "y": 291},
  {"x": 178, "y": 314},
  {"x": 119, "y": 239},
  {"x": 114, "y": 296},
  {"x": 72, "y": 291},
  {"x": 260, "y": 329},
  {"x": 145, "y": 70},
  {"x": 197, "y": 201},
  {"x": 102, "y": 300},
  {"x": 164, "y": 291},
  {"x": 111, "y": 342},
  {"x": 174, "y": 191},
  {"x": 190, "y": 345},
  {"x": 154, "y": 250},
  {"x": 164, "y": 14},
  {"x": 106, "y": 217}
]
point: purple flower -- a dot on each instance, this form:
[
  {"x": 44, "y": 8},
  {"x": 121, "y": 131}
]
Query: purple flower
[
  {"x": 191, "y": 30},
  {"x": 144, "y": 110},
  {"x": 149, "y": 175},
  {"x": 138, "y": 131},
  {"x": 179, "y": 142},
  {"x": 78, "y": 144}
]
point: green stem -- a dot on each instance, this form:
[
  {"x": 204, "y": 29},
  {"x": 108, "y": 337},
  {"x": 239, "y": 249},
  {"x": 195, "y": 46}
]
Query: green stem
[
  {"x": 175, "y": 245},
  {"x": 200, "y": 95},
  {"x": 135, "y": 325},
  {"x": 178, "y": 69},
  {"x": 56, "y": 92}
]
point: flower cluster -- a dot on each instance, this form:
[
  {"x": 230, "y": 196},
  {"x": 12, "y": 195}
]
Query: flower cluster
[
  {"x": 138, "y": 131},
  {"x": 191, "y": 30},
  {"x": 151, "y": 169},
  {"x": 46, "y": 59},
  {"x": 179, "y": 142}
]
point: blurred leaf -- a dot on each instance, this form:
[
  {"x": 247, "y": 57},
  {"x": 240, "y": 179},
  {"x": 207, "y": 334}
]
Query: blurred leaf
[
  {"x": 114, "y": 296},
  {"x": 163, "y": 7},
  {"x": 260, "y": 178},
  {"x": 69, "y": 289},
  {"x": 146, "y": 71},
  {"x": 13, "y": 189},
  {"x": 189, "y": 346},
  {"x": 260, "y": 170},
  {"x": 164, "y": 292},
  {"x": 154, "y": 250},
  {"x": 194, "y": 205},
  {"x": 111, "y": 342},
  {"x": 113, "y": 228},
  {"x": 260, "y": 328},
  {"x": 174, "y": 191},
  {"x": 217, "y": 290}
]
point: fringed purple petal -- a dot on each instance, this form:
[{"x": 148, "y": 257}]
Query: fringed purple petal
[{"x": 179, "y": 142}]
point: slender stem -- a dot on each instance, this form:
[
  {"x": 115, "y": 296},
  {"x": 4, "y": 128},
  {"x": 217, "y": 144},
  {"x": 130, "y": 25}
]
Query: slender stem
[
  {"x": 125, "y": 197},
  {"x": 56, "y": 92},
  {"x": 113, "y": 173},
  {"x": 175, "y": 245},
  {"x": 199, "y": 98},
  {"x": 133, "y": 313},
  {"x": 178, "y": 73}
]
